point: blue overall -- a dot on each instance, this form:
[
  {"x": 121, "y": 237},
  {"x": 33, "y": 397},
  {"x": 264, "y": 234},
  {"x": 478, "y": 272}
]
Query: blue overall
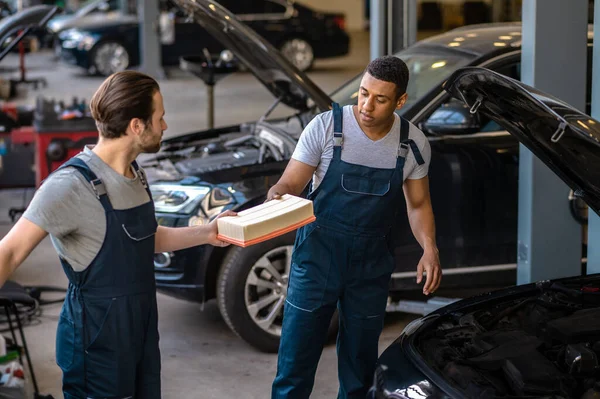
[
  {"x": 344, "y": 258},
  {"x": 107, "y": 338}
]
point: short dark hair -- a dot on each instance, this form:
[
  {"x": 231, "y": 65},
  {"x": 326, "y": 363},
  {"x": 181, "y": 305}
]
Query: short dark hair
[
  {"x": 122, "y": 97},
  {"x": 390, "y": 69}
]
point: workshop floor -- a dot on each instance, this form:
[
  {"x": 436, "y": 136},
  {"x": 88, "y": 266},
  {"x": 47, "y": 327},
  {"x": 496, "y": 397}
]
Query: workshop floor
[{"x": 201, "y": 357}]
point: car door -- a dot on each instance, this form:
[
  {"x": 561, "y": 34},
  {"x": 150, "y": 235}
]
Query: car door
[{"x": 474, "y": 191}]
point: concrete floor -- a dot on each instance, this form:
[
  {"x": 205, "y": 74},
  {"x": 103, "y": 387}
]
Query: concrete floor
[{"x": 201, "y": 357}]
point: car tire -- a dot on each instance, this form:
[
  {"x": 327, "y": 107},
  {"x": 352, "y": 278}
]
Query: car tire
[
  {"x": 237, "y": 292},
  {"x": 109, "y": 57},
  {"x": 299, "y": 52}
]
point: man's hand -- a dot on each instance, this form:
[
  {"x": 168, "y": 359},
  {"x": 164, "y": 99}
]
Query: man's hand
[
  {"x": 430, "y": 263},
  {"x": 276, "y": 192},
  {"x": 420, "y": 216},
  {"x": 214, "y": 231}
]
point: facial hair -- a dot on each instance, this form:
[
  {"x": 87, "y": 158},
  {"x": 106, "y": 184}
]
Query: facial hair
[{"x": 148, "y": 143}]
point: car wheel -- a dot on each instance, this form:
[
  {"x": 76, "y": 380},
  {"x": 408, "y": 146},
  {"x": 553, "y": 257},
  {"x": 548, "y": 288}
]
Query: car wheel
[
  {"x": 110, "y": 57},
  {"x": 299, "y": 52},
  {"x": 252, "y": 288}
]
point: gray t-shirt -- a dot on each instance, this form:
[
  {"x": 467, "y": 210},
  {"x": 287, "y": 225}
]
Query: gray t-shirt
[
  {"x": 315, "y": 146},
  {"x": 66, "y": 207}
]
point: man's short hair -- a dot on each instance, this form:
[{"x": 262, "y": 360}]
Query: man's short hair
[
  {"x": 390, "y": 69},
  {"x": 122, "y": 97}
]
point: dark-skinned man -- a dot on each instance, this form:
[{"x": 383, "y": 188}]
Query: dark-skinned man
[{"x": 366, "y": 164}]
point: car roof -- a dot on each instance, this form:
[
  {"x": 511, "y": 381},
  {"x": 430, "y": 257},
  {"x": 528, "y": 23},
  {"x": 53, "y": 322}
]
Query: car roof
[{"x": 482, "y": 39}]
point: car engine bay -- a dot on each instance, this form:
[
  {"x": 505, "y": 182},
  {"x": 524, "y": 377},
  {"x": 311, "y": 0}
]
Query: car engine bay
[
  {"x": 542, "y": 346},
  {"x": 244, "y": 145}
]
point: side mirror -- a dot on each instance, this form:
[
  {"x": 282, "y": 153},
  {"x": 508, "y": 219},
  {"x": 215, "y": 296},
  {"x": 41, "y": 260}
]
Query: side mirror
[{"x": 452, "y": 118}]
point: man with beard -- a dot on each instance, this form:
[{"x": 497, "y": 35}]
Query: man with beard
[{"x": 99, "y": 213}]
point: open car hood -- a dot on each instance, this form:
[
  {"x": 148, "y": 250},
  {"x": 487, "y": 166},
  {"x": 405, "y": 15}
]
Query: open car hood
[
  {"x": 22, "y": 22},
  {"x": 564, "y": 138},
  {"x": 281, "y": 78}
]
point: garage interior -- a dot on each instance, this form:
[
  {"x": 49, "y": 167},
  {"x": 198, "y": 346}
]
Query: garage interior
[{"x": 201, "y": 356}]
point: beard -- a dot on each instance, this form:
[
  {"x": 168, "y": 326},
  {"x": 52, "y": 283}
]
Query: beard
[{"x": 150, "y": 143}]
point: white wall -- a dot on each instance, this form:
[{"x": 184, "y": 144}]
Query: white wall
[{"x": 354, "y": 10}]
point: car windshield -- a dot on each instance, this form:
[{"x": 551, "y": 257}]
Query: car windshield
[{"x": 428, "y": 68}]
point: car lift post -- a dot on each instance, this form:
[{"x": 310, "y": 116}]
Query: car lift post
[
  {"x": 549, "y": 238},
  {"x": 150, "y": 47},
  {"x": 393, "y": 26},
  {"x": 593, "y": 255}
]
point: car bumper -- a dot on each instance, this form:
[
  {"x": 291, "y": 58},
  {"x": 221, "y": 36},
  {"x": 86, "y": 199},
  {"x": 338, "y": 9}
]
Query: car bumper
[{"x": 75, "y": 57}]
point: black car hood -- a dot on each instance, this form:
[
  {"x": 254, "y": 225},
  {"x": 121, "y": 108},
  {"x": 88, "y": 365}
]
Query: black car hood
[
  {"x": 564, "y": 138},
  {"x": 538, "y": 340},
  {"x": 281, "y": 78},
  {"x": 23, "y": 22}
]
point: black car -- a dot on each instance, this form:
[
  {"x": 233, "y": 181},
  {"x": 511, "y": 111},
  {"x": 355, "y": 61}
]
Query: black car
[
  {"x": 105, "y": 43},
  {"x": 539, "y": 340},
  {"x": 473, "y": 177}
]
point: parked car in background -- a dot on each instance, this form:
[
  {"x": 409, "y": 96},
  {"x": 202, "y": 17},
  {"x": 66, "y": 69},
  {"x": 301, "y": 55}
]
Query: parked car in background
[
  {"x": 473, "y": 177},
  {"x": 538, "y": 340},
  {"x": 70, "y": 18},
  {"x": 107, "y": 43}
]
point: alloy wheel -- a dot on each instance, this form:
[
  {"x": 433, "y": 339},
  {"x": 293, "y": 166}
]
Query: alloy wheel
[
  {"x": 110, "y": 58},
  {"x": 299, "y": 52},
  {"x": 266, "y": 289}
]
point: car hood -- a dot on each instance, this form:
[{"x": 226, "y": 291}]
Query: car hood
[
  {"x": 29, "y": 18},
  {"x": 280, "y": 77},
  {"x": 564, "y": 138},
  {"x": 535, "y": 340}
]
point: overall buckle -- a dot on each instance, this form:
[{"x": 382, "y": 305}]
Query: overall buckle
[
  {"x": 338, "y": 139},
  {"x": 98, "y": 187},
  {"x": 403, "y": 150}
]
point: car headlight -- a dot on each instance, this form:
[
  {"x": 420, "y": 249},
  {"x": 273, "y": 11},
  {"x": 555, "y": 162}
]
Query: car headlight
[
  {"x": 175, "y": 198},
  {"x": 71, "y": 34}
]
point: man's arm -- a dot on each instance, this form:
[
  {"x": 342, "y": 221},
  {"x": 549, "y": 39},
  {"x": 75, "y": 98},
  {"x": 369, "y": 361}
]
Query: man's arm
[
  {"x": 169, "y": 239},
  {"x": 420, "y": 216},
  {"x": 16, "y": 246},
  {"x": 293, "y": 181}
]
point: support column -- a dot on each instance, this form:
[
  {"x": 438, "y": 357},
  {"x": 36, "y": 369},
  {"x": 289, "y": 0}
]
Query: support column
[
  {"x": 150, "y": 47},
  {"x": 393, "y": 26},
  {"x": 378, "y": 31},
  {"x": 549, "y": 237},
  {"x": 402, "y": 24},
  {"x": 593, "y": 255}
]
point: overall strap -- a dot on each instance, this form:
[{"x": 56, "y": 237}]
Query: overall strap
[
  {"x": 136, "y": 167},
  {"x": 338, "y": 136},
  {"x": 405, "y": 143},
  {"x": 91, "y": 177}
]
